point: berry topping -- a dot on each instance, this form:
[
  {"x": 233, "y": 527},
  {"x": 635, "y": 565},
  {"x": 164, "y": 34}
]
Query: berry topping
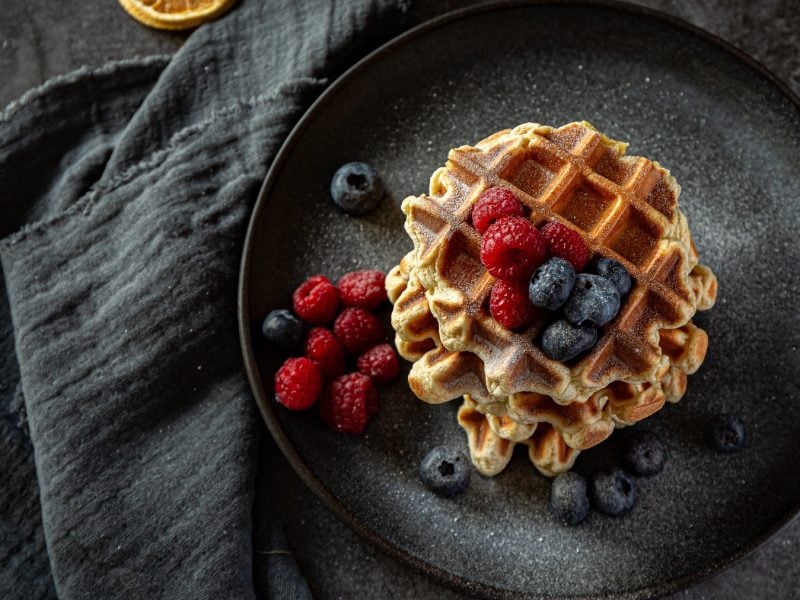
[
  {"x": 445, "y": 471},
  {"x": 564, "y": 341},
  {"x": 644, "y": 454},
  {"x": 551, "y": 284},
  {"x": 281, "y": 328},
  {"x": 356, "y": 329},
  {"x": 356, "y": 188},
  {"x": 594, "y": 299},
  {"x": 297, "y": 383},
  {"x": 349, "y": 402},
  {"x": 364, "y": 289},
  {"x": 726, "y": 433},
  {"x": 569, "y": 502},
  {"x": 323, "y": 349},
  {"x": 613, "y": 271},
  {"x": 494, "y": 203},
  {"x": 566, "y": 243},
  {"x": 509, "y": 304},
  {"x": 613, "y": 492},
  {"x": 316, "y": 300},
  {"x": 512, "y": 248},
  {"x": 379, "y": 363}
]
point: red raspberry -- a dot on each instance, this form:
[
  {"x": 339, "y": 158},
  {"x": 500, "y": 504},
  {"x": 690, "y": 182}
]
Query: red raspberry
[
  {"x": 512, "y": 248},
  {"x": 364, "y": 289},
  {"x": 510, "y": 305},
  {"x": 323, "y": 349},
  {"x": 567, "y": 244},
  {"x": 297, "y": 383},
  {"x": 316, "y": 300},
  {"x": 379, "y": 363},
  {"x": 349, "y": 402},
  {"x": 356, "y": 329},
  {"x": 494, "y": 203}
]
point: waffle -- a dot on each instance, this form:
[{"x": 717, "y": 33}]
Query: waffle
[
  {"x": 490, "y": 451},
  {"x": 439, "y": 375},
  {"x": 554, "y": 433},
  {"x": 624, "y": 207}
]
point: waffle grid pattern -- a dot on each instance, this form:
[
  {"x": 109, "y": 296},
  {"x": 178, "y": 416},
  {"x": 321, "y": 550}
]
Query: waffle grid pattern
[
  {"x": 582, "y": 424},
  {"x": 553, "y": 433},
  {"x": 624, "y": 208}
]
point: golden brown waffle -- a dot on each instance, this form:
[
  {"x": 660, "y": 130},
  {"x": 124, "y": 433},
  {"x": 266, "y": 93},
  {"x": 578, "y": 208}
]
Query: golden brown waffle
[
  {"x": 439, "y": 375},
  {"x": 554, "y": 433},
  {"x": 624, "y": 207},
  {"x": 490, "y": 451}
]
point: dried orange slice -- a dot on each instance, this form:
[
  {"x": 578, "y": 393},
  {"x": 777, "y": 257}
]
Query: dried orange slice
[{"x": 175, "y": 14}]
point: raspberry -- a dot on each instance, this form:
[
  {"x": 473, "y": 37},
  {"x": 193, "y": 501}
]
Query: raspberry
[
  {"x": 493, "y": 204},
  {"x": 364, "y": 289},
  {"x": 567, "y": 244},
  {"x": 316, "y": 300},
  {"x": 509, "y": 304},
  {"x": 356, "y": 329},
  {"x": 323, "y": 349},
  {"x": 512, "y": 248},
  {"x": 297, "y": 383},
  {"x": 379, "y": 363},
  {"x": 349, "y": 402}
]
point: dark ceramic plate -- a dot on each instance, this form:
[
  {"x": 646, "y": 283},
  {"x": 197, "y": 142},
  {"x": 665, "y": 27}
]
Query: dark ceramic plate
[{"x": 730, "y": 134}]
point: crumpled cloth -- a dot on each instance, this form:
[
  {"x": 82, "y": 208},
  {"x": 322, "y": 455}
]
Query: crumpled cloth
[{"x": 128, "y": 435}]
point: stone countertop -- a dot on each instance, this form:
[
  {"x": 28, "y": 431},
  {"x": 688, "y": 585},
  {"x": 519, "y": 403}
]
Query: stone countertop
[{"x": 40, "y": 39}]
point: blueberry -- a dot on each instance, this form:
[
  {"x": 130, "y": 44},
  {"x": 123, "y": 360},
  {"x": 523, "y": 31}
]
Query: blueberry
[
  {"x": 594, "y": 299},
  {"x": 563, "y": 341},
  {"x": 615, "y": 272},
  {"x": 551, "y": 284},
  {"x": 445, "y": 470},
  {"x": 568, "y": 500},
  {"x": 644, "y": 454},
  {"x": 726, "y": 433},
  {"x": 613, "y": 492},
  {"x": 284, "y": 330},
  {"x": 356, "y": 188}
]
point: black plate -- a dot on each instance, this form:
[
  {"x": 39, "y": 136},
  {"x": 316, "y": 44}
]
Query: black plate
[{"x": 729, "y": 132}]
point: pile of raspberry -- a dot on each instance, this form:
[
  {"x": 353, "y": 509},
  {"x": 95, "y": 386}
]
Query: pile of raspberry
[
  {"x": 344, "y": 353},
  {"x": 540, "y": 269}
]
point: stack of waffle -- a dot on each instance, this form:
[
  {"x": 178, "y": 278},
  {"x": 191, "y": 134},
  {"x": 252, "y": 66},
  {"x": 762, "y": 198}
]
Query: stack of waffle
[{"x": 625, "y": 208}]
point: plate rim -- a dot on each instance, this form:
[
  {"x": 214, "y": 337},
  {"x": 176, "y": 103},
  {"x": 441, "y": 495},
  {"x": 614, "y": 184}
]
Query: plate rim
[{"x": 266, "y": 409}]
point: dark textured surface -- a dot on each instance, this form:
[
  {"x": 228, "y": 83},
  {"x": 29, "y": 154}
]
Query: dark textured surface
[
  {"x": 676, "y": 100},
  {"x": 39, "y": 39},
  {"x": 129, "y": 436}
]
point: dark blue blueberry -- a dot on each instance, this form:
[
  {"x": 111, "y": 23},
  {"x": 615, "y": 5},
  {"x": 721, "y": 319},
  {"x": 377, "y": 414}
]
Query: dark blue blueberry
[
  {"x": 551, "y": 284},
  {"x": 594, "y": 299},
  {"x": 569, "y": 502},
  {"x": 356, "y": 188},
  {"x": 564, "y": 341},
  {"x": 284, "y": 330},
  {"x": 726, "y": 433},
  {"x": 613, "y": 271},
  {"x": 644, "y": 454},
  {"x": 613, "y": 492},
  {"x": 445, "y": 470}
]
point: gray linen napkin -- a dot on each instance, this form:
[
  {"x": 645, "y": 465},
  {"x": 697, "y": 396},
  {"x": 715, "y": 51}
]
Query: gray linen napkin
[{"x": 127, "y": 432}]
